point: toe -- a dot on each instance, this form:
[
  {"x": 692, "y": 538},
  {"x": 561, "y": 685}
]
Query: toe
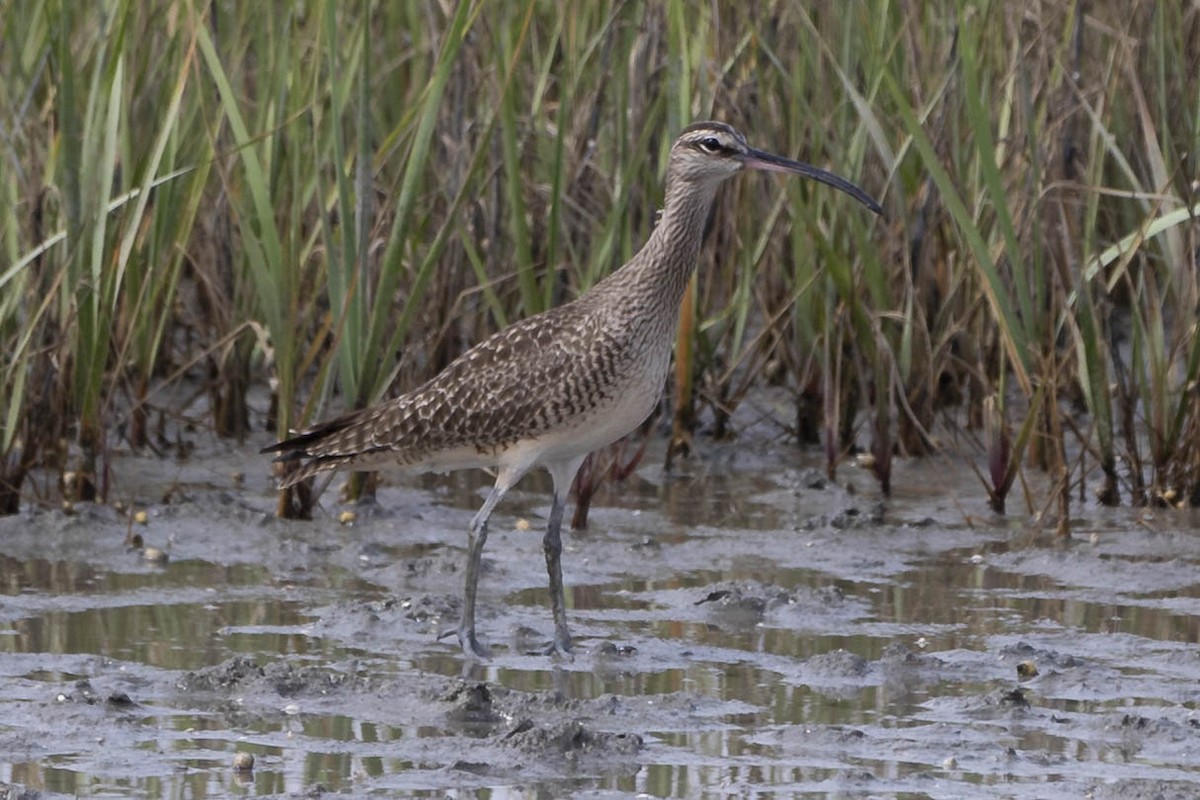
[
  {"x": 560, "y": 648},
  {"x": 471, "y": 646}
]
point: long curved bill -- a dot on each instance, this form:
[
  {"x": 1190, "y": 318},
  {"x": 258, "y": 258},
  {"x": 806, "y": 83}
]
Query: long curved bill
[{"x": 769, "y": 162}]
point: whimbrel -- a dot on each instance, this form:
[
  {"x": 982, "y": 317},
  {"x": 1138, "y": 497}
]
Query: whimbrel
[{"x": 553, "y": 387}]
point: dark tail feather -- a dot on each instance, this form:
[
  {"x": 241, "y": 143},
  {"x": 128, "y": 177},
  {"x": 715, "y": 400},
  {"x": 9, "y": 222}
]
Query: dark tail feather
[
  {"x": 300, "y": 445},
  {"x": 318, "y": 448},
  {"x": 294, "y": 472}
]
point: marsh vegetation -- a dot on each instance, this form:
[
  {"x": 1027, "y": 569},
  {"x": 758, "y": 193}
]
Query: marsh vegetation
[{"x": 334, "y": 200}]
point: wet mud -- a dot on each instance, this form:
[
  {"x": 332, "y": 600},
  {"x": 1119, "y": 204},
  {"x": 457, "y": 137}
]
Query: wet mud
[{"x": 745, "y": 628}]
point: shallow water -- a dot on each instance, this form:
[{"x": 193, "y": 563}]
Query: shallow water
[{"x": 745, "y": 629}]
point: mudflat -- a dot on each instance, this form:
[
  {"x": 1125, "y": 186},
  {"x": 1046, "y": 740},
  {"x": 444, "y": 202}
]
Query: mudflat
[{"x": 745, "y": 627}]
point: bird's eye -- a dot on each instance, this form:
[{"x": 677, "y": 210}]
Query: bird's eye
[{"x": 710, "y": 144}]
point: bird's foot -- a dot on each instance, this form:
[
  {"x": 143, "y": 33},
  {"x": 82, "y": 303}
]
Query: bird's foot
[
  {"x": 560, "y": 647},
  {"x": 471, "y": 646}
]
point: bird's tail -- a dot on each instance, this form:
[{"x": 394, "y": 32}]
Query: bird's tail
[{"x": 329, "y": 446}]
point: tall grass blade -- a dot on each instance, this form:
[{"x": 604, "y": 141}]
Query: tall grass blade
[{"x": 1011, "y": 330}]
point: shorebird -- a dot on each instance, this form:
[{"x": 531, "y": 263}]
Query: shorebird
[{"x": 551, "y": 388}]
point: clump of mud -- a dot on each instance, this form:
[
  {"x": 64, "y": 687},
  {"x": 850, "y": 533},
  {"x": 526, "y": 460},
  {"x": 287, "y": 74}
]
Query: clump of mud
[
  {"x": 282, "y": 677},
  {"x": 839, "y": 664},
  {"x": 740, "y": 604},
  {"x": 541, "y": 724},
  {"x": 571, "y": 738},
  {"x": 1139, "y": 789},
  {"x": 852, "y": 517},
  {"x": 1042, "y": 657},
  {"x": 226, "y": 675},
  {"x": 472, "y": 705},
  {"x": 83, "y": 693}
]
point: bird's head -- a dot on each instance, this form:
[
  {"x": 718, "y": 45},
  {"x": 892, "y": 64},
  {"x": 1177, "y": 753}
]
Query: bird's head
[{"x": 710, "y": 152}]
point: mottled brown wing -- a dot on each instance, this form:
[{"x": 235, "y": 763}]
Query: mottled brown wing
[{"x": 514, "y": 385}]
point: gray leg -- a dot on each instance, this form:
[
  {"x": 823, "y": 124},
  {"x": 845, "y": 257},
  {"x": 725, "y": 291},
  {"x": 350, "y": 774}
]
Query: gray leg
[
  {"x": 563, "y": 473},
  {"x": 552, "y": 545},
  {"x": 475, "y": 541}
]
